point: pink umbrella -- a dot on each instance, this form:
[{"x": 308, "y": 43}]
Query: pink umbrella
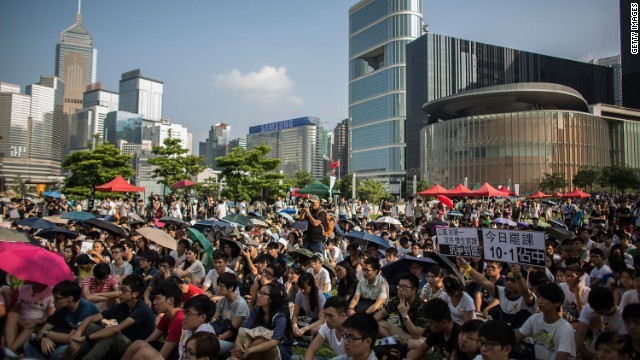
[
  {"x": 445, "y": 201},
  {"x": 33, "y": 263}
]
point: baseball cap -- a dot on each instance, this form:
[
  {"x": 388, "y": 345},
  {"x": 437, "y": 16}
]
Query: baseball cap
[
  {"x": 252, "y": 243},
  {"x": 315, "y": 198}
]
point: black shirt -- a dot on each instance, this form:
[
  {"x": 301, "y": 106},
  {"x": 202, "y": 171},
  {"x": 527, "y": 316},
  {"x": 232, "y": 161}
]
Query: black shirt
[
  {"x": 316, "y": 233},
  {"x": 444, "y": 347},
  {"x": 141, "y": 314}
]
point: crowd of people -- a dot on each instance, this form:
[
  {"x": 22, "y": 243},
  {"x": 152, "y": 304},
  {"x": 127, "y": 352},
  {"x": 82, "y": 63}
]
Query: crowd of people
[{"x": 300, "y": 286}]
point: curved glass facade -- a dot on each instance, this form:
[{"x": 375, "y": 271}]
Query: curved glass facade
[
  {"x": 517, "y": 147},
  {"x": 379, "y": 31}
]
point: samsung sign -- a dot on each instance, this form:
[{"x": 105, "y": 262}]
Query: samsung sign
[{"x": 281, "y": 125}]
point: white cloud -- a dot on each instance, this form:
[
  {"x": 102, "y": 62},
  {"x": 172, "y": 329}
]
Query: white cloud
[{"x": 268, "y": 86}]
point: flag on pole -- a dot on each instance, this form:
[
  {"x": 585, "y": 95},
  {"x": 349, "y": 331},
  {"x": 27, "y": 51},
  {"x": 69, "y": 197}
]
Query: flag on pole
[{"x": 335, "y": 164}]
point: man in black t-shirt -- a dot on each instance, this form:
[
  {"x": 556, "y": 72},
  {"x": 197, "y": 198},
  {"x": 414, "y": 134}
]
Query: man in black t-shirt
[
  {"x": 443, "y": 336},
  {"x": 316, "y": 218}
]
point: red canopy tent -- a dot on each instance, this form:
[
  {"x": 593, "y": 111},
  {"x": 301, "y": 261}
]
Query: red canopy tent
[
  {"x": 486, "y": 190},
  {"x": 557, "y": 194},
  {"x": 435, "y": 190},
  {"x": 577, "y": 193},
  {"x": 119, "y": 184},
  {"x": 506, "y": 191},
  {"x": 538, "y": 195},
  {"x": 459, "y": 191}
]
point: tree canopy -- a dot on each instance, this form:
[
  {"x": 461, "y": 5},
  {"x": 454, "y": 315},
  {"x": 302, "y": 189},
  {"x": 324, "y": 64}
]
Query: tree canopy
[
  {"x": 251, "y": 175},
  {"x": 552, "y": 182},
  {"x": 90, "y": 168},
  {"x": 619, "y": 178},
  {"x": 372, "y": 190},
  {"x": 586, "y": 177},
  {"x": 172, "y": 164}
]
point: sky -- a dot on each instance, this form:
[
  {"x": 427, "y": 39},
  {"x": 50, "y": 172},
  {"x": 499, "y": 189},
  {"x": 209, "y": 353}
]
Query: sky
[{"x": 258, "y": 61}]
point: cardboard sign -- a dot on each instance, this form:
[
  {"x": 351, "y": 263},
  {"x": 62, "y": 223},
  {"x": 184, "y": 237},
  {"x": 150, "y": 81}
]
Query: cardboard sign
[
  {"x": 459, "y": 242},
  {"x": 86, "y": 246},
  {"x": 513, "y": 246}
]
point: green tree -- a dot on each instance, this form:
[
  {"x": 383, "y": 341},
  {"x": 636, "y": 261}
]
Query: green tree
[
  {"x": 172, "y": 164},
  {"x": 251, "y": 175},
  {"x": 586, "y": 177},
  {"x": 619, "y": 178},
  {"x": 345, "y": 185},
  {"x": 552, "y": 182},
  {"x": 422, "y": 185},
  {"x": 302, "y": 179},
  {"x": 372, "y": 190},
  {"x": 90, "y": 168}
]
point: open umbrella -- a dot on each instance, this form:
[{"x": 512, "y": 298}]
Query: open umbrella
[
  {"x": 106, "y": 226},
  {"x": 182, "y": 184},
  {"x": 36, "y": 223},
  {"x": 11, "y": 235},
  {"x": 394, "y": 270},
  {"x": 258, "y": 222},
  {"x": 26, "y": 262},
  {"x": 159, "y": 237},
  {"x": 77, "y": 216},
  {"x": 238, "y": 219},
  {"x": 286, "y": 216},
  {"x": 53, "y": 232},
  {"x": 135, "y": 218},
  {"x": 305, "y": 254},
  {"x": 388, "y": 220},
  {"x": 170, "y": 220},
  {"x": 364, "y": 239},
  {"x": 196, "y": 235},
  {"x": 300, "y": 225},
  {"x": 53, "y": 194},
  {"x": 549, "y": 202},
  {"x": 558, "y": 233},
  {"x": 56, "y": 219},
  {"x": 557, "y": 223},
  {"x": 454, "y": 214},
  {"x": 204, "y": 226},
  {"x": 445, "y": 201}
]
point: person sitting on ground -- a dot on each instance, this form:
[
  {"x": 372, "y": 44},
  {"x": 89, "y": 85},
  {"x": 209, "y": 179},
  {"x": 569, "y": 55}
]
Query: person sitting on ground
[
  {"x": 119, "y": 268},
  {"x": 320, "y": 274},
  {"x": 517, "y": 302},
  {"x": 197, "y": 316},
  {"x": 347, "y": 281},
  {"x": 359, "y": 337},
  {"x": 309, "y": 302},
  {"x": 613, "y": 346},
  {"x": 192, "y": 267},
  {"x": 270, "y": 314},
  {"x": 180, "y": 254},
  {"x": 33, "y": 306},
  {"x": 443, "y": 332},
  {"x": 434, "y": 287},
  {"x": 71, "y": 309},
  {"x": 631, "y": 318},
  {"x": 332, "y": 330},
  {"x": 575, "y": 293},
  {"x": 165, "y": 272},
  {"x": 202, "y": 345},
  {"x": 460, "y": 303},
  {"x": 601, "y": 272},
  {"x": 102, "y": 288},
  {"x": 147, "y": 267},
  {"x": 552, "y": 335},
  {"x": 231, "y": 310},
  {"x": 408, "y": 306},
  {"x": 166, "y": 302},
  {"x": 497, "y": 340},
  {"x": 468, "y": 341},
  {"x": 209, "y": 285},
  {"x": 134, "y": 320},
  {"x": 483, "y": 301},
  {"x": 600, "y": 304},
  {"x": 372, "y": 291},
  {"x": 271, "y": 274}
]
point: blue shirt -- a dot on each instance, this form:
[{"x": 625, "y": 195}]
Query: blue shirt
[
  {"x": 63, "y": 320},
  {"x": 280, "y": 326}
]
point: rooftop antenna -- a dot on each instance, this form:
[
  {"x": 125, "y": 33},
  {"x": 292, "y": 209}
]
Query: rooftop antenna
[{"x": 78, "y": 15}]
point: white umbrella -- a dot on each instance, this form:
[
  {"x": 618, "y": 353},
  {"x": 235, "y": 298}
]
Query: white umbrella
[
  {"x": 258, "y": 222},
  {"x": 388, "y": 220},
  {"x": 159, "y": 237}
]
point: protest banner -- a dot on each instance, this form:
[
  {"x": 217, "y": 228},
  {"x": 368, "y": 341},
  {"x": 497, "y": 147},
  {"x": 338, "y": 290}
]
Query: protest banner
[
  {"x": 458, "y": 242},
  {"x": 513, "y": 246}
]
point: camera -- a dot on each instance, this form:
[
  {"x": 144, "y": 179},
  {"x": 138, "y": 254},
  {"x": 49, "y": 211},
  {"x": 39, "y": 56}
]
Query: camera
[{"x": 303, "y": 205}]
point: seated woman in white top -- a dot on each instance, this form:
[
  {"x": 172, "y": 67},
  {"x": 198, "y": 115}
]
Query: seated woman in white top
[
  {"x": 460, "y": 303},
  {"x": 311, "y": 301}
]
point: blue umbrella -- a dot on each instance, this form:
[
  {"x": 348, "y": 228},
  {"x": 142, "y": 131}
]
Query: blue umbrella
[
  {"x": 54, "y": 194},
  {"x": 301, "y": 225},
  {"x": 289, "y": 211},
  {"x": 53, "y": 232},
  {"x": 286, "y": 216},
  {"x": 36, "y": 223},
  {"x": 392, "y": 271},
  {"x": 77, "y": 216},
  {"x": 364, "y": 238}
]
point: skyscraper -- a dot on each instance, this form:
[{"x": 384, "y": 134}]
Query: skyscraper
[
  {"x": 614, "y": 63},
  {"x": 216, "y": 144},
  {"x": 379, "y": 31},
  {"x": 630, "y": 58},
  {"x": 75, "y": 63},
  {"x": 340, "y": 149},
  {"x": 141, "y": 95}
]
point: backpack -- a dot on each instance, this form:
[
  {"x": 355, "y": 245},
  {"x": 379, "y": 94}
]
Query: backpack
[{"x": 328, "y": 228}]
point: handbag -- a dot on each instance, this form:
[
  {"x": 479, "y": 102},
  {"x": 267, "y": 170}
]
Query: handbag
[{"x": 221, "y": 326}]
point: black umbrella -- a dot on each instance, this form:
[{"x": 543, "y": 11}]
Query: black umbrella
[
  {"x": 107, "y": 226},
  {"x": 170, "y": 220},
  {"x": 393, "y": 271},
  {"x": 302, "y": 225},
  {"x": 36, "y": 223},
  {"x": 53, "y": 232},
  {"x": 559, "y": 233}
]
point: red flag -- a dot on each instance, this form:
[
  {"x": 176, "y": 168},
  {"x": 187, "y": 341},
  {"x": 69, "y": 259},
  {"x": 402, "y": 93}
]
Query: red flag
[{"x": 334, "y": 164}]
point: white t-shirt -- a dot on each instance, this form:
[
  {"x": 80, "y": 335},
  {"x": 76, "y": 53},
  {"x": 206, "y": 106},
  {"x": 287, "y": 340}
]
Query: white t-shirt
[
  {"x": 337, "y": 345},
  {"x": 601, "y": 273},
  {"x": 513, "y": 306},
  {"x": 457, "y": 312},
  {"x": 612, "y": 322},
  {"x": 322, "y": 277},
  {"x": 549, "y": 339},
  {"x": 211, "y": 280},
  {"x": 179, "y": 259},
  {"x": 569, "y": 307},
  {"x": 186, "y": 334},
  {"x": 228, "y": 311},
  {"x": 629, "y": 297}
]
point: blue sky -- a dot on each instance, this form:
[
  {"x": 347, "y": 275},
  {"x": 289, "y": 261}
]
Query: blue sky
[{"x": 257, "y": 61}]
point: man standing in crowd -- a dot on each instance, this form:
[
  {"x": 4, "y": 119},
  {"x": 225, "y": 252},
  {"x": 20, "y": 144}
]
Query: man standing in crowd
[{"x": 316, "y": 219}]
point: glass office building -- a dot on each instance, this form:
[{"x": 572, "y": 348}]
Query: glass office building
[
  {"x": 514, "y": 134},
  {"x": 298, "y": 143},
  {"x": 379, "y": 31},
  {"x": 439, "y": 66}
]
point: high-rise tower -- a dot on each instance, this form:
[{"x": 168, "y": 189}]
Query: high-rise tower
[
  {"x": 75, "y": 63},
  {"x": 379, "y": 31}
]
